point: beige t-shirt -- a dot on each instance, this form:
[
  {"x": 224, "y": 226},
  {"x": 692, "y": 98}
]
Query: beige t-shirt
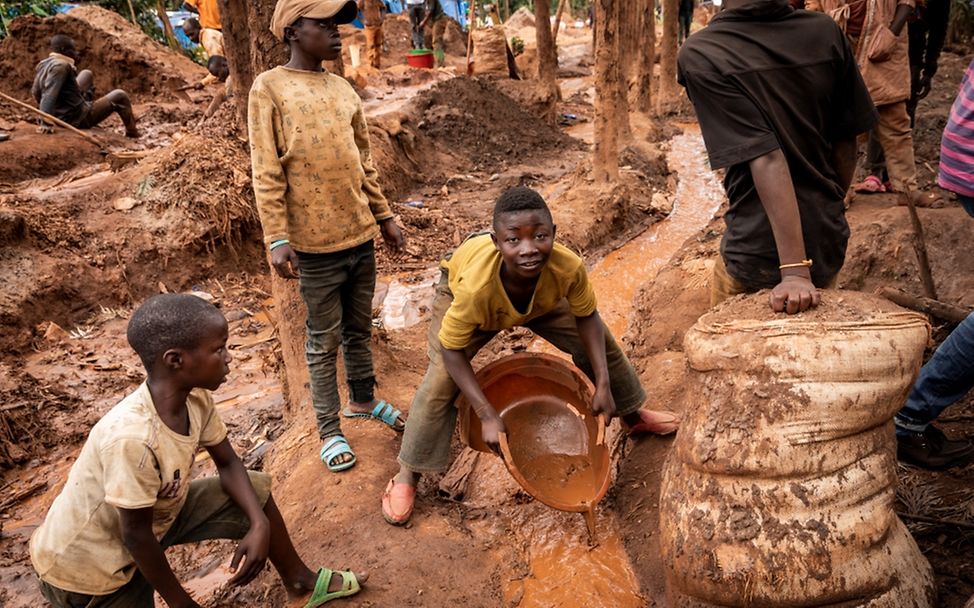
[{"x": 131, "y": 460}]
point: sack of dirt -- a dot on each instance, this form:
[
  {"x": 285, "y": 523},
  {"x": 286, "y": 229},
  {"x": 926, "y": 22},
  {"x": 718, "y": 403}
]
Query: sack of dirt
[
  {"x": 490, "y": 51},
  {"x": 779, "y": 489}
]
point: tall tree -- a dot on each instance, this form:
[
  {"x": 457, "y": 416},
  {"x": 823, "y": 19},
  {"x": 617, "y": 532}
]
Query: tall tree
[
  {"x": 547, "y": 60},
  {"x": 252, "y": 49},
  {"x": 647, "y": 56},
  {"x": 669, "y": 92},
  {"x": 605, "y": 162}
]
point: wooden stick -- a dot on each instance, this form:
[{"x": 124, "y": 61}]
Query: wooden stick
[
  {"x": 557, "y": 24},
  {"x": 920, "y": 245},
  {"x": 135, "y": 19},
  {"x": 933, "y": 520},
  {"x": 941, "y": 310},
  {"x": 57, "y": 121}
]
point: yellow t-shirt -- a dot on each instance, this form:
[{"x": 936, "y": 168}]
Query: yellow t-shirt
[
  {"x": 314, "y": 179},
  {"x": 480, "y": 302},
  {"x": 130, "y": 459}
]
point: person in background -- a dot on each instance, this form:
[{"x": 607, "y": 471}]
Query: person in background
[
  {"x": 927, "y": 30},
  {"x": 65, "y": 93},
  {"x": 876, "y": 29},
  {"x": 212, "y": 42},
  {"x": 417, "y": 14}
]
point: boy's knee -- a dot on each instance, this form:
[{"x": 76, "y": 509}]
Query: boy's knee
[
  {"x": 323, "y": 342},
  {"x": 119, "y": 97}
]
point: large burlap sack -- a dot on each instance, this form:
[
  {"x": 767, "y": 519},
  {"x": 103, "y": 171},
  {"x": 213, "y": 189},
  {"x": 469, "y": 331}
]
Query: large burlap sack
[
  {"x": 779, "y": 490},
  {"x": 490, "y": 51}
]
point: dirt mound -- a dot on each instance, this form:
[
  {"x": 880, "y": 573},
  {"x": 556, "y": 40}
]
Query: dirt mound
[
  {"x": 119, "y": 54},
  {"x": 471, "y": 118},
  {"x": 206, "y": 180},
  {"x": 521, "y": 19}
]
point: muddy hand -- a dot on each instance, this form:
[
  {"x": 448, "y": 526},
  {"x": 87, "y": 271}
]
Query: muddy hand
[
  {"x": 492, "y": 429},
  {"x": 253, "y": 549},
  {"x": 794, "y": 294},
  {"x": 392, "y": 235},
  {"x": 603, "y": 403},
  {"x": 285, "y": 261}
]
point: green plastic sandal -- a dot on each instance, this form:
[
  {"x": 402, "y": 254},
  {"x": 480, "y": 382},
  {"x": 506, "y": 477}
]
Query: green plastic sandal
[{"x": 321, "y": 595}]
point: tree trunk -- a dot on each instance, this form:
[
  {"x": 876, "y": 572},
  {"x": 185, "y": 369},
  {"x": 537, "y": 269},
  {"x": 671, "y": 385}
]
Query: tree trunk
[
  {"x": 507, "y": 10},
  {"x": 167, "y": 26},
  {"x": 669, "y": 92},
  {"x": 627, "y": 36},
  {"x": 557, "y": 24},
  {"x": 547, "y": 61},
  {"x": 647, "y": 56},
  {"x": 252, "y": 49},
  {"x": 250, "y": 46},
  {"x": 372, "y": 11},
  {"x": 605, "y": 162}
]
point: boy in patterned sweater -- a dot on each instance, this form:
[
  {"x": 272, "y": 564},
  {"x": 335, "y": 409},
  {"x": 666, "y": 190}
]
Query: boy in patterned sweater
[{"x": 321, "y": 208}]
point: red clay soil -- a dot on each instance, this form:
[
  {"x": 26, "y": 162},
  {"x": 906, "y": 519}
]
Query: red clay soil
[{"x": 119, "y": 53}]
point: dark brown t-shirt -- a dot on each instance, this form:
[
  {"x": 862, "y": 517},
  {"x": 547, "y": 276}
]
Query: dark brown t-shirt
[{"x": 765, "y": 77}]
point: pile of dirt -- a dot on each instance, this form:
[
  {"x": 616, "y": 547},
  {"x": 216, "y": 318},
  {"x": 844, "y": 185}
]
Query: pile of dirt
[
  {"x": 119, "y": 53},
  {"x": 25, "y": 419},
  {"x": 521, "y": 19},
  {"x": 472, "y": 119},
  {"x": 206, "y": 180}
]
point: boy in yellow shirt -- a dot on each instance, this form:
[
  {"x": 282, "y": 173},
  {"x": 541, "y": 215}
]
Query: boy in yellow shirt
[
  {"x": 321, "y": 208},
  {"x": 516, "y": 276},
  {"x": 128, "y": 496}
]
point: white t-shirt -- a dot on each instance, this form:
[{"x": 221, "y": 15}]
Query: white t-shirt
[{"x": 131, "y": 460}]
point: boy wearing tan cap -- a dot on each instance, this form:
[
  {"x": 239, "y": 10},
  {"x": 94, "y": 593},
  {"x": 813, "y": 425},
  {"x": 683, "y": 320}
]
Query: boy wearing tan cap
[{"x": 321, "y": 208}]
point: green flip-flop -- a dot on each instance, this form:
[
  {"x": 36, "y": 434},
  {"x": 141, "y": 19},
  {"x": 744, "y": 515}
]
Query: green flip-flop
[{"x": 321, "y": 595}]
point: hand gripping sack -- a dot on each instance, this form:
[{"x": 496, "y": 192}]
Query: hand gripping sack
[{"x": 779, "y": 489}]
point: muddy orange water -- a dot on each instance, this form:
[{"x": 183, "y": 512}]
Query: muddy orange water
[
  {"x": 565, "y": 571},
  {"x": 550, "y": 446}
]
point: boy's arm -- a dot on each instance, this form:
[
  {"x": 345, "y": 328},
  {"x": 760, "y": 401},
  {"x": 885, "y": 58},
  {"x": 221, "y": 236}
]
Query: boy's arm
[
  {"x": 772, "y": 180},
  {"x": 457, "y": 364},
  {"x": 150, "y": 558},
  {"x": 592, "y": 332},
  {"x": 270, "y": 182},
  {"x": 255, "y": 545}
]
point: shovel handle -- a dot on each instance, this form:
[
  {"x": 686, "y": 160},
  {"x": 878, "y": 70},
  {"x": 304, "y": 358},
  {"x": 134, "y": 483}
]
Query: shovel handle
[{"x": 600, "y": 439}]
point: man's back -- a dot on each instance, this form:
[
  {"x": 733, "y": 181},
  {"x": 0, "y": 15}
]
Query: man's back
[
  {"x": 57, "y": 74},
  {"x": 765, "y": 77}
]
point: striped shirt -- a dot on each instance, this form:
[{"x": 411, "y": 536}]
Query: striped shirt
[{"x": 957, "y": 145}]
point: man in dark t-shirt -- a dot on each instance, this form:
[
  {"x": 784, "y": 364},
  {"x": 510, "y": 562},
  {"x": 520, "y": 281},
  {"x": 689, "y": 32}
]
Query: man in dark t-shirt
[
  {"x": 780, "y": 102},
  {"x": 65, "y": 93}
]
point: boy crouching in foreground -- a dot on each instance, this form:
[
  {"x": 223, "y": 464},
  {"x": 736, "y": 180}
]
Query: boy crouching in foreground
[
  {"x": 128, "y": 496},
  {"x": 515, "y": 276}
]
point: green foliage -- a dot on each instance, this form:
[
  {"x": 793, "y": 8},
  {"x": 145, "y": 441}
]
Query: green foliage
[
  {"x": 961, "y": 27},
  {"x": 145, "y": 14},
  {"x": 517, "y": 45},
  {"x": 11, "y": 10}
]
